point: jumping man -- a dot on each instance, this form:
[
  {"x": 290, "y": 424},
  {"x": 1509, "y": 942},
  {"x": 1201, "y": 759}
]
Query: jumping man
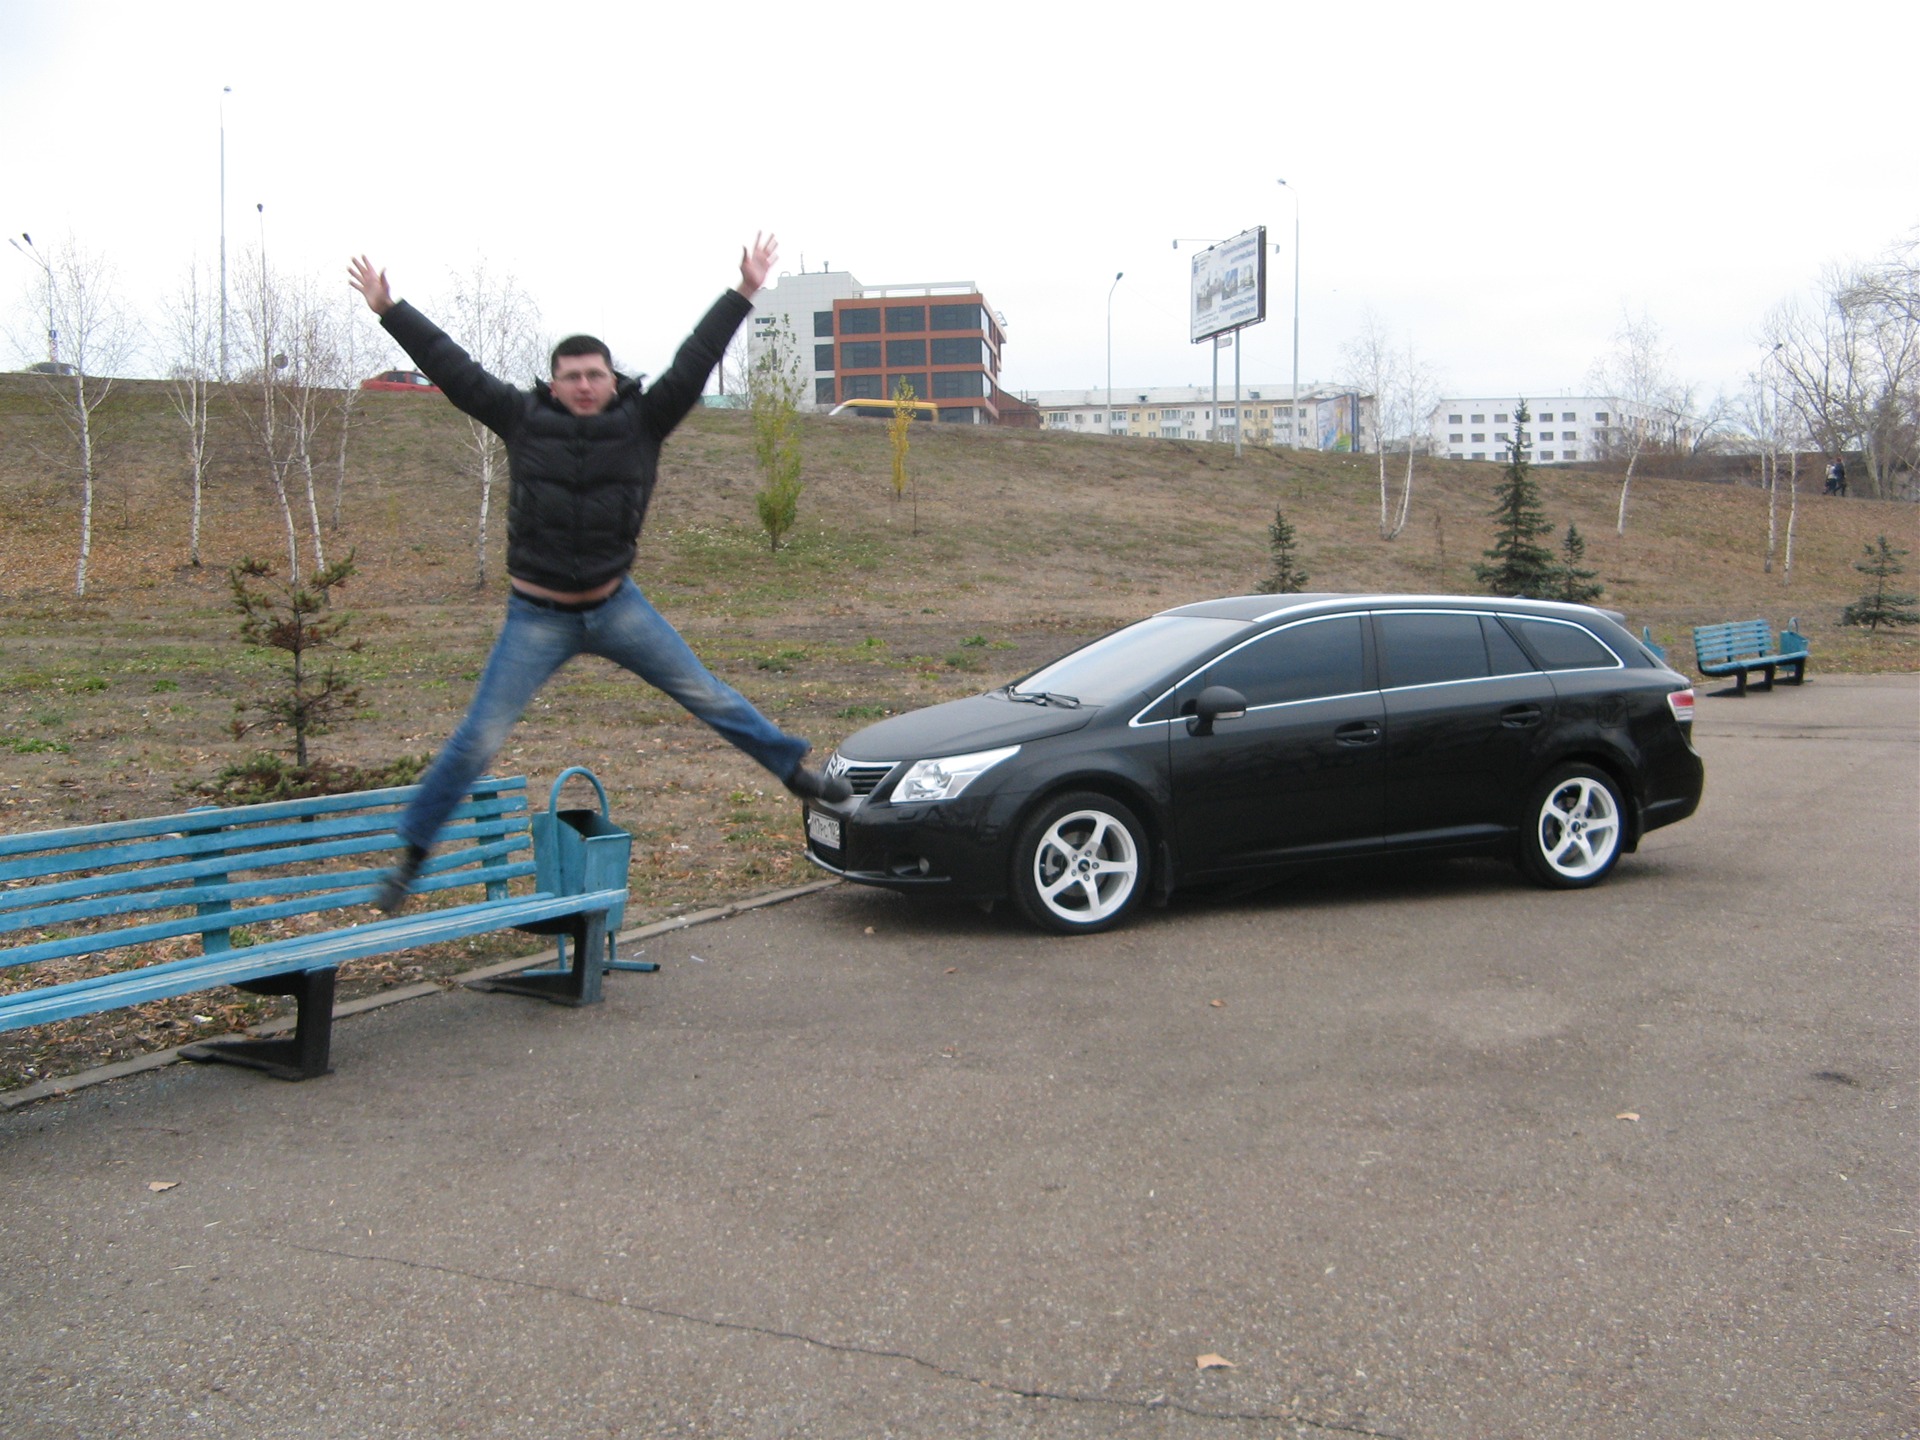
[{"x": 583, "y": 451}]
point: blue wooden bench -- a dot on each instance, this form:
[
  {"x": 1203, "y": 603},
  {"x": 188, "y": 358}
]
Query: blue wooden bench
[
  {"x": 130, "y": 896},
  {"x": 1740, "y": 647}
]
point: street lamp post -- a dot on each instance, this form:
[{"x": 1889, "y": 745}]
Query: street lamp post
[
  {"x": 1294, "y": 438},
  {"x": 1110, "y": 289},
  {"x": 32, "y": 252},
  {"x": 225, "y": 90}
]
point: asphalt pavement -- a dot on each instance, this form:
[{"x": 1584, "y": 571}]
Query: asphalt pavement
[{"x": 1412, "y": 1152}]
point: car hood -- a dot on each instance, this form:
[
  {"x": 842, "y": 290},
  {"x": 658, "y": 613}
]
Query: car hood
[{"x": 979, "y": 722}]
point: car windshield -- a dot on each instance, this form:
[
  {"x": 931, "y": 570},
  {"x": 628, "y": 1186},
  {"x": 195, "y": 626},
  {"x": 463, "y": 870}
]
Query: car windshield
[{"x": 1127, "y": 661}]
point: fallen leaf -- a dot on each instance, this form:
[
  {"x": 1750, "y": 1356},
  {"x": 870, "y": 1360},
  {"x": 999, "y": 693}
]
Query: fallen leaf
[
  {"x": 1213, "y": 1362},
  {"x": 953, "y": 969},
  {"x": 158, "y": 1185},
  {"x": 1218, "y": 1004},
  {"x": 1627, "y": 1115},
  {"x": 869, "y": 929}
]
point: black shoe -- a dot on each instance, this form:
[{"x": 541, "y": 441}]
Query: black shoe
[
  {"x": 395, "y": 884},
  {"x": 812, "y": 785}
]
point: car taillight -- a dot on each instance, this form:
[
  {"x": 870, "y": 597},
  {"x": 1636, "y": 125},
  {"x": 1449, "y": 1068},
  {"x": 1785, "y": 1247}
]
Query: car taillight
[{"x": 1681, "y": 703}]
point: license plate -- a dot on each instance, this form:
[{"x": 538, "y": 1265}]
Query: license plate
[{"x": 823, "y": 829}]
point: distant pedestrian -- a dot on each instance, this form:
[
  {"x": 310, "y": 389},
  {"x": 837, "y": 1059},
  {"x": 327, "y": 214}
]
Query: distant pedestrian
[
  {"x": 1836, "y": 478},
  {"x": 582, "y": 455}
]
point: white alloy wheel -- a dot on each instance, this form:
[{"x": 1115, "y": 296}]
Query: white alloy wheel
[
  {"x": 1576, "y": 829},
  {"x": 1079, "y": 866}
]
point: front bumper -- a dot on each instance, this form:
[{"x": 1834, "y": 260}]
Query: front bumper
[{"x": 957, "y": 847}]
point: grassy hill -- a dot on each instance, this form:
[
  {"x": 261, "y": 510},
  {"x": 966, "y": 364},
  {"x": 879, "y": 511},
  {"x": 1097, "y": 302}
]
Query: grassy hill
[{"x": 1015, "y": 545}]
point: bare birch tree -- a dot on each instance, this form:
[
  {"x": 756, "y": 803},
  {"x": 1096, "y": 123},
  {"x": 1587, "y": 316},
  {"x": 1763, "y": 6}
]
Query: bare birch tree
[
  {"x": 500, "y": 325},
  {"x": 257, "y": 399},
  {"x": 1373, "y": 366},
  {"x": 1633, "y": 374},
  {"x": 309, "y": 387},
  {"x": 191, "y": 338},
  {"x": 96, "y": 338},
  {"x": 356, "y": 349}
]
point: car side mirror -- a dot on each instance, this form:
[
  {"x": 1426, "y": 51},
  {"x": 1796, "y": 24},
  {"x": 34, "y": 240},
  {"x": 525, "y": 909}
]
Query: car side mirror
[{"x": 1216, "y": 702}]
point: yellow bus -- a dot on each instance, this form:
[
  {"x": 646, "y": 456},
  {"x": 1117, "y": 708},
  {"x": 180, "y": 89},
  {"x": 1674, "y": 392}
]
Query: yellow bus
[{"x": 883, "y": 409}]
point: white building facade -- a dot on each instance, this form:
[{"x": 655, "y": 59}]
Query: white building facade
[
  {"x": 796, "y": 303},
  {"x": 1563, "y": 429},
  {"x": 1326, "y": 418}
]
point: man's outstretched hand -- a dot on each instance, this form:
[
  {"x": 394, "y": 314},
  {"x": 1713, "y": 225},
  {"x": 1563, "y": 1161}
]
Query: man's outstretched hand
[
  {"x": 372, "y": 284},
  {"x": 755, "y": 264}
]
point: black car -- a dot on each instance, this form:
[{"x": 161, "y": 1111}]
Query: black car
[{"x": 1241, "y": 735}]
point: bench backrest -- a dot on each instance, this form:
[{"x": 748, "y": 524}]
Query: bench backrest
[
  {"x": 1735, "y": 640},
  {"x": 204, "y": 873}
]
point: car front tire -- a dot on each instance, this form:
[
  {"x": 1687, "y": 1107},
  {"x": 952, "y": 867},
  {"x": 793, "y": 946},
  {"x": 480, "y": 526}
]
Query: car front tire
[
  {"x": 1080, "y": 865},
  {"x": 1575, "y": 828}
]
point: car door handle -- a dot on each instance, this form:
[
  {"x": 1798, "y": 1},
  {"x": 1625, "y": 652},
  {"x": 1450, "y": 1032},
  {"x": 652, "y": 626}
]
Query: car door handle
[
  {"x": 1520, "y": 717},
  {"x": 1358, "y": 732}
]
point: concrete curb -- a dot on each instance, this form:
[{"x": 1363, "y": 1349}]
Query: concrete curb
[{"x": 99, "y": 1075}]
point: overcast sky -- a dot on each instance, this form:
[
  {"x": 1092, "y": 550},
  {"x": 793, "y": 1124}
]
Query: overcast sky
[{"x": 1496, "y": 182}]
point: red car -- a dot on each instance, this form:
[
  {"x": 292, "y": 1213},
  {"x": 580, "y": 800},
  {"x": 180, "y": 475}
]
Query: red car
[{"x": 410, "y": 381}]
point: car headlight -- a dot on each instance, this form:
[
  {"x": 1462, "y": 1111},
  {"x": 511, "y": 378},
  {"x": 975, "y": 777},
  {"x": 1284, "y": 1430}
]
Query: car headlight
[{"x": 945, "y": 778}]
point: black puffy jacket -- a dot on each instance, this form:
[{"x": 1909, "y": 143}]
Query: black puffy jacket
[{"x": 580, "y": 484}]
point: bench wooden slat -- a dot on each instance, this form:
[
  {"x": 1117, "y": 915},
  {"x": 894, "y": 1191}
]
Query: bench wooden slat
[
  {"x": 219, "y": 818},
  {"x": 1736, "y": 647},
  {"x": 325, "y": 951},
  {"x": 160, "y": 886}
]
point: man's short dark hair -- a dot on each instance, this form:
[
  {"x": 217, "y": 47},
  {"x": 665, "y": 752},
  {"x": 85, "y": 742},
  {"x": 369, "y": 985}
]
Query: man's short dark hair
[{"x": 579, "y": 345}]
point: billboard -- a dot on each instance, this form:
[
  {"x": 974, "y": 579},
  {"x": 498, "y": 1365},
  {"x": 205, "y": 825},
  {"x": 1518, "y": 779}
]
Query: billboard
[{"x": 1230, "y": 284}]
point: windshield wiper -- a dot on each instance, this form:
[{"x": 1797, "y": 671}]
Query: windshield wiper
[{"x": 1042, "y": 697}]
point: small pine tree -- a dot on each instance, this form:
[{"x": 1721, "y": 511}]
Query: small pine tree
[
  {"x": 1881, "y": 605},
  {"x": 773, "y": 403},
  {"x": 298, "y": 618},
  {"x": 1521, "y": 565},
  {"x": 1576, "y": 584},
  {"x": 1287, "y": 577}
]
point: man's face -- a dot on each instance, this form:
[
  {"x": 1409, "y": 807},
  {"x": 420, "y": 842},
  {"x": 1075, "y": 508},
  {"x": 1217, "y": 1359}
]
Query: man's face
[{"x": 582, "y": 383}]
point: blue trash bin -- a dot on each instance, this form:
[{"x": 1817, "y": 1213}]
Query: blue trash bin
[{"x": 575, "y": 851}]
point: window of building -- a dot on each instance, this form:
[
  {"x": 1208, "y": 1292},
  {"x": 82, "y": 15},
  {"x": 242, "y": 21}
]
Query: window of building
[
  {"x": 960, "y": 415},
  {"x": 823, "y": 322},
  {"x": 955, "y": 317},
  {"x": 906, "y": 352},
  {"x": 1479, "y": 454},
  {"x": 823, "y": 388},
  {"x": 860, "y": 354},
  {"x": 1546, "y": 454},
  {"x": 1079, "y": 419},
  {"x": 1227, "y": 413},
  {"x": 957, "y": 352},
  {"x": 823, "y": 357},
  {"x": 1479, "y": 419},
  {"x": 1601, "y": 416},
  {"x": 1451, "y": 419},
  {"x": 918, "y": 382},
  {"x": 860, "y": 322},
  {"x": 1456, "y": 439},
  {"x": 1480, "y": 438},
  {"x": 1569, "y": 435},
  {"x": 861, "y": 387},
  {"x": 1188, "y": 416},
  {"x": 906, "y": 317},
  {"x": 1565, "y": 416},
  {"x": 1500, "y": 418},
  {"x": 958, "y": 384},
  {"x": 1099, "y": 419}
]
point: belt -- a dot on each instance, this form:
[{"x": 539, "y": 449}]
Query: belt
[{"x": 565, "y": 607}]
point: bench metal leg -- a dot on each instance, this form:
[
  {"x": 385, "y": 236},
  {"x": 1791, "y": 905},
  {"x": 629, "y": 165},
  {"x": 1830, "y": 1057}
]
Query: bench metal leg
[
  {"x": 299, "y": 1056},
  {"x": 577, "y": 983}
]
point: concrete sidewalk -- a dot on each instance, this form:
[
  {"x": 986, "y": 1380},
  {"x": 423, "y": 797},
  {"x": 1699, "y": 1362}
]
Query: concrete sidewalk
[{"x": 1422, "y": 1153}]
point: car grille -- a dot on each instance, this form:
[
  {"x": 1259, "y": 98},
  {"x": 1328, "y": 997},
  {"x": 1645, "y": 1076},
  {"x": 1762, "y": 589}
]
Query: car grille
[{"x": 863, "y": 778}]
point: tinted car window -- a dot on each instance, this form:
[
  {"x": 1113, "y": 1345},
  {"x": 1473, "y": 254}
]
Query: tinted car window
[
  {"x": 1504, "y": 656},
  {"x": 1127, "y": 661},
  {"x": 1302, "y": 662},
  {"x": 1430, "y": 648},
  {"x": 1563, "y": 646}
]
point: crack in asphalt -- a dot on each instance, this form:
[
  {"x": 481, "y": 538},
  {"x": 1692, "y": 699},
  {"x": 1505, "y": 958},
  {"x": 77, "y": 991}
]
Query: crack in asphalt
[{"x": 1001, "y": 1387}]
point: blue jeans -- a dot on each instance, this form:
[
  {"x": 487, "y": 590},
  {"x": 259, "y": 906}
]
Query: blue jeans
[{"x": 534, "y": 643}]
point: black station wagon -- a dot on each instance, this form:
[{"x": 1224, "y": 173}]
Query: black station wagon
[{"x": 1242, "y": 735}]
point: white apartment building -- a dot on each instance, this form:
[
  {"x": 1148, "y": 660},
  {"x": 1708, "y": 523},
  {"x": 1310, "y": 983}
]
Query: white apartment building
[
  {"x": 797, "y": 302},
  {"x": 1326, "y": 417},
  {"x": 1563, "y": 428}
]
